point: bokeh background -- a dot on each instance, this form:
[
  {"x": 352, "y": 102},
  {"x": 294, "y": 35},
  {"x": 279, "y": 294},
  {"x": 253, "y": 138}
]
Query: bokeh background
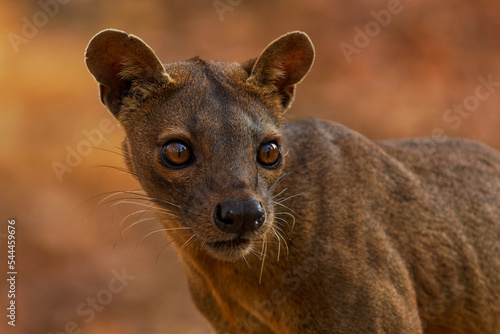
[{"x": 70, "y": 244}]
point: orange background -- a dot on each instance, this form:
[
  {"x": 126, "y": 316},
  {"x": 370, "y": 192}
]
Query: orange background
[{"x": 425, "y": 60}]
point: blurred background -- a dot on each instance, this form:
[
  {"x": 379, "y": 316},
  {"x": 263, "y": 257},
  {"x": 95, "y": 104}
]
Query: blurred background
[{"x": 387, "y": 69}]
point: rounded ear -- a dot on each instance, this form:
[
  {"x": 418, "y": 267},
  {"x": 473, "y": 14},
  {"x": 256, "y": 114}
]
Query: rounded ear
[
  {"x": 283, "y": 64},
  {"x": 118, "y": 61}
]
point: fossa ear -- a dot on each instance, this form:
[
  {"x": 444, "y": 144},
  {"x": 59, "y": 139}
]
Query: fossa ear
[
  {"x": 282, "y": 65},
  {"x": 120, "y": 62}
]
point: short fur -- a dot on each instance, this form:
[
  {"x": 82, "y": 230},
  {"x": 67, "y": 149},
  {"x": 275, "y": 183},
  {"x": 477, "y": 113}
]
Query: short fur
[{"x": 359, "y": 235}]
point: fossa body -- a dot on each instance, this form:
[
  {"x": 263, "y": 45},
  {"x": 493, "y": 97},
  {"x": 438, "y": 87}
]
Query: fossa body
[{"x": 306, "y": 227}]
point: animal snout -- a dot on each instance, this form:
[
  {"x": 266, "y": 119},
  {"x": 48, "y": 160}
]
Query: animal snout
[{"x": 239, "y": 216}]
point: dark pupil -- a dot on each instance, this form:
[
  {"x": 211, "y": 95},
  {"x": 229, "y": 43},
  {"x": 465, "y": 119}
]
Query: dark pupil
[
  {"x": 268, "y": 151},
  {"x": 176, "y": 153},
  {"x": 269, "y": 154}
]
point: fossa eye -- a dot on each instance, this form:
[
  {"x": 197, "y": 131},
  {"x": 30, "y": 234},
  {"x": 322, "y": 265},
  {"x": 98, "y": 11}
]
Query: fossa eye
[
  {"x": 268, "y": 154},
  {"x": 176, "y": 154}
]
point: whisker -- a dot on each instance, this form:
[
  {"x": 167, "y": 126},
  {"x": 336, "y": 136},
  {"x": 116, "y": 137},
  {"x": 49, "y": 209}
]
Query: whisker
[
  {"x": 273, "y": 231},
  {"x": 141, "y": 212},
  {"x": 281, "y": 219},
  {"x": 186, "y": 243},
  {"x": 245, "y": 259},
  {"x": 283, "y": 229},
  {"x": 284, "y": 176},
  {"x": 289, "y": 214},
  {"x": 158, "y": 180},
  {"x": 97, "y": 196},
  {"x": 165, "y": 229},
  {"x": 204, "y": 258},
  {"x": 279, "y": 233},
  {"x": 163, "y": 248},
  {"x": 281, "y": 192},
  {"x": 254, "y": 252},
  {"x": 129, "y": 201},
  {"x": 113, "y": 193},
  {"x": 269, "y": 242},
  {"x": 143, "y": 198},
  {"x": 138, "y": 222},
  {"x": 120, "y": 152},
  {"x": 286, "y": 207},
  {"x": 264, "y": 251},
  {"x": 173, "y": 187},
  {"x": 137, "y": 192},
  {"x": 286, "y": 199},
  {"x": 280, "y": 179}
]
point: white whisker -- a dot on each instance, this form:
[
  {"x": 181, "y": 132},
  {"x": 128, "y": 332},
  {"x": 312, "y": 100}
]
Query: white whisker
[
  {"x": 245, "y": 259},
  {"x": 264, "y": 251},
  {"x": 281, "y": 192},
  {"x": 280, "y": 233},
  {"x": 289, "y": 214},
  {"x": 131, "y": 214},
  {"x": 186, "y": 243},
  {"x": 287, "y": 198},
  {"x": 165, "y": 229},
  {"x": 138, "y": 222}
]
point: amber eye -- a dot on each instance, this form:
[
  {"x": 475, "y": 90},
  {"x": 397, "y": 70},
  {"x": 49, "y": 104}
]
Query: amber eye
[
  {"x": 268, "y": 154},
  {"x": 176, "y": 154}
]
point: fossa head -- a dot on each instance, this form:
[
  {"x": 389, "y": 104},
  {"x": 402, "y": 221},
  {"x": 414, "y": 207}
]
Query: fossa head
[{"x": 203, "y": 137}]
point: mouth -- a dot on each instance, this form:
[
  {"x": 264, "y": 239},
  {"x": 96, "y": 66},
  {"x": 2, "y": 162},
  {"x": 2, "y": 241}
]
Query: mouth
[
  {"x": 230, "y": 249},
  {"x": 234, "y": 244}
]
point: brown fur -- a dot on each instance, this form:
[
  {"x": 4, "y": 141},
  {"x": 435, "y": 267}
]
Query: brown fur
[{"x": 360, "y": 236}]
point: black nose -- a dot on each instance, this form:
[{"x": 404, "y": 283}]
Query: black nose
[{"x": 235, "y": 216}]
